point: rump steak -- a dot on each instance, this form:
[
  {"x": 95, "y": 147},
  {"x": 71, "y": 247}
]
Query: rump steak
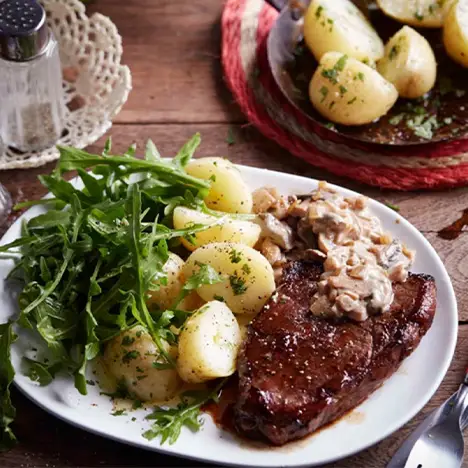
[{"x": 298, "y": 372}]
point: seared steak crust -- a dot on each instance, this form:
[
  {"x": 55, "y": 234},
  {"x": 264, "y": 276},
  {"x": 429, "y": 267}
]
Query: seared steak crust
[{"x": 298, "y": 372}]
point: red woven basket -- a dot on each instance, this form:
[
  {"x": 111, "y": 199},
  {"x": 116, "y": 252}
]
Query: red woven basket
[{"x": 245, "y": 26}]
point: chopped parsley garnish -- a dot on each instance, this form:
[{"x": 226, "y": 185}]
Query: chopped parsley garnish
[
  {"x": 352, "y": 101},
  {"x": 330, "y": 125},
  {"x": 419, "y": 16},
  {"x": 246, "y": 269},
  {"x": 318, "y": 11},
  {"x": 91, "y": 382},
  {"x": 219, "y": 298},
  {"x": 332, "y": 73},
  {"x": 120, "y": 412},
  {"x": 423, "y": 127},
  {"x": 137, "y": 404},
  {"x": 127, "y": 340},
  {"x": 130, "y": 355},
  {"x": 392, "y": 206},
  {"x": 235, "y": 256},
  {"x": 237, "y": 284},
  {"x": 343, "y": 90},
  {"x": 393, "y": 52},
  {"x": 397, "y": 119},
  {"x": 324, "y": 92},
  {"x": 212, "y": 178},
  {"x": 230, "y": 139}
]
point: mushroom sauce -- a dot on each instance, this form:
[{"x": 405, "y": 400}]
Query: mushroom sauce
[{"x": 361, "y": 261}]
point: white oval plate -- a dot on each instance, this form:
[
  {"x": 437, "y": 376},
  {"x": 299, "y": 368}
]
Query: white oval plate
[{"x": 389, "y": 408}]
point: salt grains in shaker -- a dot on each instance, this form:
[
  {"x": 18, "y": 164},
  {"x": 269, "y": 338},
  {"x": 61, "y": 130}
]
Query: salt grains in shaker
[{"x": 32, "y": 106}]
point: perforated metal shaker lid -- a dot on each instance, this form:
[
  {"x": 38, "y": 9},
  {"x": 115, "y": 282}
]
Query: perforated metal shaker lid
[{"x": 23, "y": 30}]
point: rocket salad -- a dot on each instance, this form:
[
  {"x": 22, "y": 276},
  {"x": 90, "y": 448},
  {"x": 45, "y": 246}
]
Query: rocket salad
[{"x": 87, "y": 264}]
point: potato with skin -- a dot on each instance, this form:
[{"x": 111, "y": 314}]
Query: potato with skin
[
  {"x": 409, "y": 63},
  {"x": 418, "y": 13},
  {"x": 129, "y": 357},
  {"x": 248, "y": 278},
  {"x": 208, "y": 344},
  {"x": 164, "y": 297},
  {"x": 349, "y": 92},
  {"x": 226, "y": 230},
  {"x": 339, "y": 25},
  {"x": 455, "y": 34},
  {"x": 229, "y": 193}
]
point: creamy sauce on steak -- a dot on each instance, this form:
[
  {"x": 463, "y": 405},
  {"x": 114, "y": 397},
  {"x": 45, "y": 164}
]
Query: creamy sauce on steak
[{"x": 362, "y": 260}]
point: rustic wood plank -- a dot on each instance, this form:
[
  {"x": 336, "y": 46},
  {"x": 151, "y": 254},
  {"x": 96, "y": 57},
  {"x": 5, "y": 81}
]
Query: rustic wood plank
[
  {"x": 173, "y": 50},
  {"x": 49, "y": 442},
  {"x": 453, "y": 254}
]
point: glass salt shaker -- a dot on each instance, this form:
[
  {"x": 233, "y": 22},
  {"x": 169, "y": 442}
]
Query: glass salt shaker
[
  {"x": 6, "y": 202},
  {"x": 32, "y": 105}
]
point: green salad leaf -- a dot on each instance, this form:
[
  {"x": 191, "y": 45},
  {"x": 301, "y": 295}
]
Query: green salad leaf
[
  {"x": 88, "y": 263},
  {"x": 168, "y": 422},
  {"x": 7, "y": 373}
]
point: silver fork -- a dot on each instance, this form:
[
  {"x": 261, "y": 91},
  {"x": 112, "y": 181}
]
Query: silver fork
[{"x": 443, "y": 444}]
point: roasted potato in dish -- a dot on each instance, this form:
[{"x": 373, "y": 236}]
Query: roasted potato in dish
[
  {"x": 409, "y": 63},
  {"x": 346, "y": 91},
  {"x": 455, "y": 33},
  {"x": 339, "y": 25},
  {"x": 419, "y": 13}
]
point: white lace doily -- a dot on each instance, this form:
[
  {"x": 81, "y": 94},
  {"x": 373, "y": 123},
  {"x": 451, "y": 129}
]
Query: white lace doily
[{"x": 96, "y": 84}]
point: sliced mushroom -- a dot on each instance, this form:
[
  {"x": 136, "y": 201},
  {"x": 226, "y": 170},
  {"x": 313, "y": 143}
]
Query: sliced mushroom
[
  {"x": 299, "y": 208},
  {"x": 280, "y": 233},
  {"x": 272, "y": 252},
  {"x": 263, "y": 200}
]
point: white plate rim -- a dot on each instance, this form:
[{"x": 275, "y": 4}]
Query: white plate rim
[{"x": 257, "y": 173}]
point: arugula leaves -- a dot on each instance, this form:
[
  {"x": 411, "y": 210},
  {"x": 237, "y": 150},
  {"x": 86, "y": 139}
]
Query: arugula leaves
[
  {"x": 88, "y": 263},
  {"x": 7, "y": 373},
  {"x": 205, "y": 275},
  {"x": 168, "y": 422}
]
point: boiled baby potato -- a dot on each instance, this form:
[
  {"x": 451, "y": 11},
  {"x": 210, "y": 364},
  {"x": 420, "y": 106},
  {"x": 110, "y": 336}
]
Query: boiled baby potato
[
  {"x": 349, "y": 92},
  {"x": 419, "y": 13},
  {"x": 456, "y": 33},
  {"x": 338, "y": 25},
  {"x": 229, "y": 192},
  {"x": 208, "y": 344},
  {"x": 409, "y": 63},
  {"x": 164, "y": 297},
  {"x": 248, "y": 277},
  {"x": 129, "y": 357},
  {"x": 227, "y": 230}
]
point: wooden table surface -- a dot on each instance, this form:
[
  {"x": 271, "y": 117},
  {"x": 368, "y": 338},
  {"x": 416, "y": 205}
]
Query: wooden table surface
[{"x": 173, "y": 50}]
